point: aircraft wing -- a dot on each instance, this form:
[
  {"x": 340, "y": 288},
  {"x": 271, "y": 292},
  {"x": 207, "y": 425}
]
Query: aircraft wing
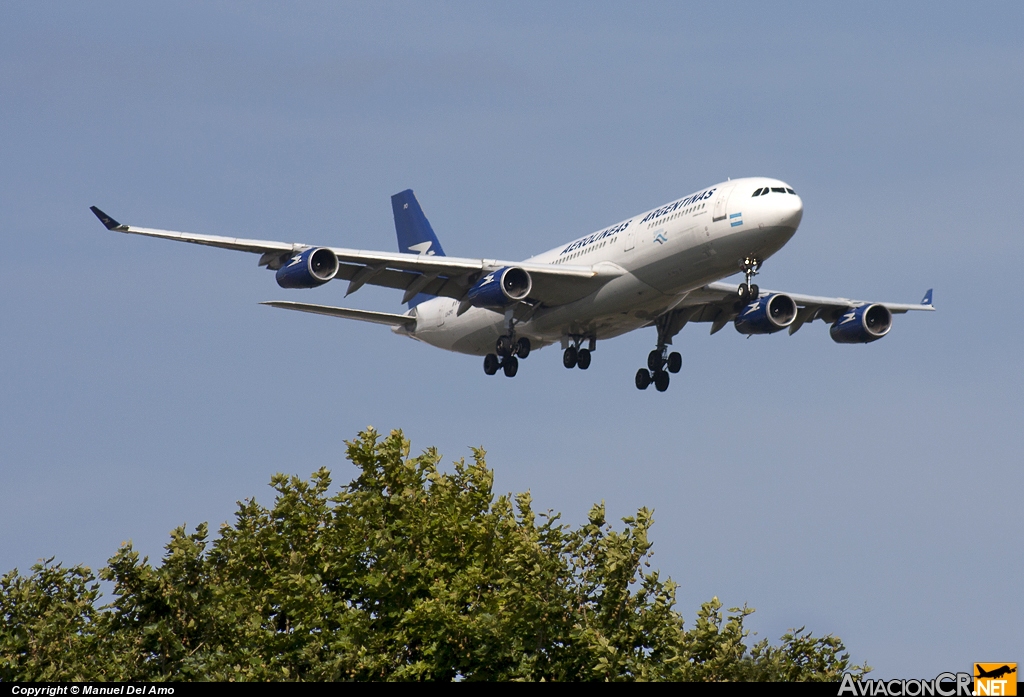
[
  {"x": 404, "y": 321},
  {"x": 413, "y": 273},
  {"x": 717, "y": 303}
]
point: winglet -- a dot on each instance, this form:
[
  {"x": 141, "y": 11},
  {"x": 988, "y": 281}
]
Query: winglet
[
  {"x": 109, "y": 222},
  {"x": 927, "y": 299}
]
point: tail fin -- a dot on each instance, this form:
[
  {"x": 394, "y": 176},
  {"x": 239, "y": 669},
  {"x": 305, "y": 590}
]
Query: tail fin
[
  {"x": 927, "y": 299},
  {"x": 415, "y": 236}
]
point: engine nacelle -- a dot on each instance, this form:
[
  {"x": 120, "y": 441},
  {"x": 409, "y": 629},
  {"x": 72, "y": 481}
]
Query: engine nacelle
[
  {"x": 308, "y": 269},
  {"x": 501, "y": 288},
  {"x": 861, "y": 325},
  {"x": 766, "y": 315}
]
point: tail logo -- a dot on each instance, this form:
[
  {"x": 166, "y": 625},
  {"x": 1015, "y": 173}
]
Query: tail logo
[{"x": 423, "y": 248}]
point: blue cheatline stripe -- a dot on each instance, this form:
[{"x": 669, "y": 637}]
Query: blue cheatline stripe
[
  {"x": 738, "y": 222},
  {"x": 735, "y": 215}
]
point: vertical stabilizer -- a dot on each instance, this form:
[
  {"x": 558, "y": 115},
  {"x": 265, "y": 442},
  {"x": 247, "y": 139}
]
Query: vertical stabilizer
[{"x": 415, "y": 236}]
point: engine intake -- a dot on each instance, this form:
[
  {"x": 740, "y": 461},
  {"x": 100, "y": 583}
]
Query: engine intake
[
  {"x": 501, "y": 288},
  {"x": 308, "y": 269},
  {"x": 861, "y": 325},
  {"x": 766, "y": 315}
]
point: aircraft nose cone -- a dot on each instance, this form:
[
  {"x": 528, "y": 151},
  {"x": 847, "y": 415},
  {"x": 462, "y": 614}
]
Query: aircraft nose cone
[{"x": 790, "y": 210}]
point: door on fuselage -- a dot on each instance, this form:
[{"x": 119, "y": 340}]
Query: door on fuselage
[{"x": 722, "y": 202}]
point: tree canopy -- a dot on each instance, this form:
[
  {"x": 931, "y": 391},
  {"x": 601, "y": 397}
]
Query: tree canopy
[{"x": 407, "y": 573}]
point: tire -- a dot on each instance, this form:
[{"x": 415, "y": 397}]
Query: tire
[
  {"x": 523, "y": 347},
  {"x": 569, "y": 357},
  {"x": 655, "y": 360},
  {"x": 661, "y": 381},
  {"x": 744, "y": 292},
  {"x": 643, "y": 379},
  {"x": 675, "y": 362},
  {"x": 503, "y": 346},
  {"x": 491, "y": 364},
  {"x": 583, "y": 359},
  {"x": 511, "y": 366},
  {"x": 754, "y": 292}
]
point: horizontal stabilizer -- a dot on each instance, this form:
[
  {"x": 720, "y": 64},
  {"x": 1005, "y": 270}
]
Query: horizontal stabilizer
[{"x": 406, "y": 321}]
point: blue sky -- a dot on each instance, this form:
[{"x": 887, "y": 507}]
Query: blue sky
[{"x": 866, "y": 491}]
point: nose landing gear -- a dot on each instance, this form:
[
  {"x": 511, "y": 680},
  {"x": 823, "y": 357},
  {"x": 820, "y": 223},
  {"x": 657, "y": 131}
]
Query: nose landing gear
[{"x": 749, "y": 291}]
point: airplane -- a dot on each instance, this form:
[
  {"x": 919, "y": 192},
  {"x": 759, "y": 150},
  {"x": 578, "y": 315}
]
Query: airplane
[
  {"x": 995, "y": 673},
  {"x": 661, "y": 268}
]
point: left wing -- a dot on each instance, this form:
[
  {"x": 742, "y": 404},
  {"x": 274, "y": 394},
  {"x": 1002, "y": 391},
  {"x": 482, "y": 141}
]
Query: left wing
[
  {"x": 719, "y": 304},
  {"x": 414, "y": 273}
]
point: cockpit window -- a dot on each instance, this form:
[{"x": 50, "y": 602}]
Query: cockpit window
[
  {"x": 790, "y": 191},
  {"x": 778, "y": 189},
  {"x": 757, "y": 193}
]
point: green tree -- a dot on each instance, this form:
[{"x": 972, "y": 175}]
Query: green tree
[{"x": 407, "y": 573}]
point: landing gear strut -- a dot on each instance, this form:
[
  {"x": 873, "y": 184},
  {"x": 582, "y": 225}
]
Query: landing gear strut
[
  {"x": 659, "y": 362},
  {"x": 575, "y": 356},
  {"x": 507, "y": 352},
  {"x": 749, "y": 291}
]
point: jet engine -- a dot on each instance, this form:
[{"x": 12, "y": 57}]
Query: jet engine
[
  {"x": 308, "y": 269},
  {"x": 861, "y": 325},
  {"x": 766, "y": 315},
  {"x": 501, "y": 288}
]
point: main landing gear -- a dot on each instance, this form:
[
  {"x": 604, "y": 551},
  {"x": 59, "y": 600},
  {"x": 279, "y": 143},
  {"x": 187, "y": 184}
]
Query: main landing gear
[
  {"x": 749, "y": 291},
  {"x": 659, "y": 361},
  {"x": 659, "y": 365},
  {"x": 575, "y": 356},
  {"x": 507, "y": 349},
  {"x": 507, "y": 353}
]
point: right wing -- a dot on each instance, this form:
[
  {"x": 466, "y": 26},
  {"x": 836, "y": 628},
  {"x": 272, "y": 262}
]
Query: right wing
[{"x": 452, "y": 277}]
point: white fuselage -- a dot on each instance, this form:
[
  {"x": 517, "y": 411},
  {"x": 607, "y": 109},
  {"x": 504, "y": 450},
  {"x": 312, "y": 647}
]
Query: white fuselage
[{"x": 665, "y": 253}]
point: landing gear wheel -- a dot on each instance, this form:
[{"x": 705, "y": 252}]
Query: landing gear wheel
[
  {"x": 661, "y": 381},
  {"x": 511, "y": 366},
  {"x": 583, "y": 359},
  {"x": 503, "y": 346},
  {"x": 643, "y": 379},
  {"x": 523, "y": 347},
  {"x": 491, "y": 364},
  {"x": 655, "y": 360},
  {"x": 744, "y": 292},
  {"x": 754, "y": 291},
  {"x": 675, "y": 362},
  {"x": 569, "y": 357}
]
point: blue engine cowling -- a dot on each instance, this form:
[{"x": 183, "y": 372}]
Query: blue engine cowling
[
  {"x": 861, "y": 325},
  {"x": 501, "y": 288},
  {"x": 308, "y": 269},
  {"x": 766, "y": 315}
]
